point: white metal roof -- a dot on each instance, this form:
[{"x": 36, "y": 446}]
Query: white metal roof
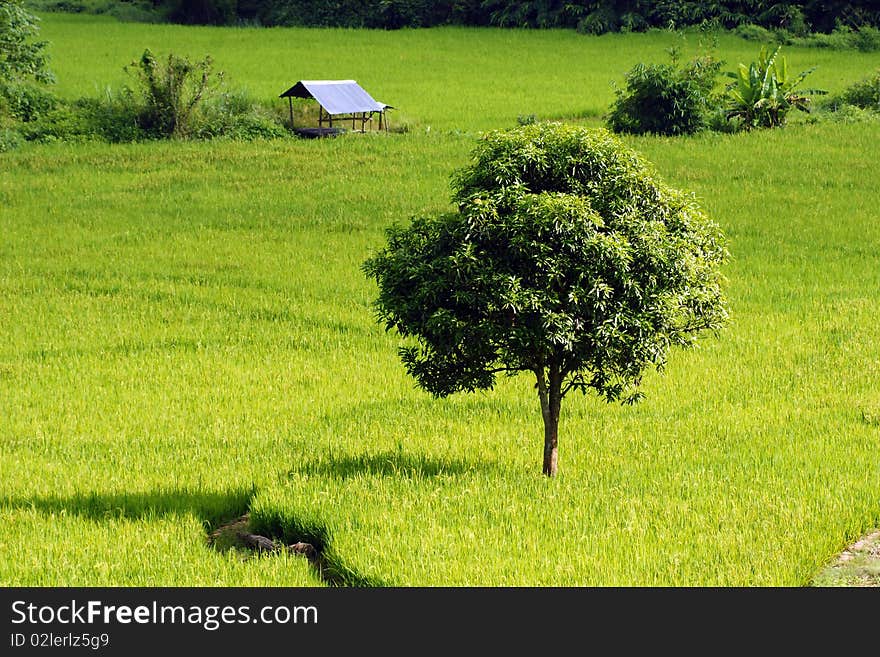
[{"x": 336, "y": 96}]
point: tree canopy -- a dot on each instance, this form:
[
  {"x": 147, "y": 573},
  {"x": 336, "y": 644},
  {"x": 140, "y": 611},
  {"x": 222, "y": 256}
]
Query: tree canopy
[
  {"x": 588, "y": 16},
  {"x": 566, "y": 257}
]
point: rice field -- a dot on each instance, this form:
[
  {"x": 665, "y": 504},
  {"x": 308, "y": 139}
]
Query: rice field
[{"x": 186, "y": 336}]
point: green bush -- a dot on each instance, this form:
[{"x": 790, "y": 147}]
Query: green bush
[
  {"x": 113, "y": 118},
  {"x": 787, "y": 17},
  {"x": 25, "y": 101},
  {"x": 24, "y": 71},
  {"x": 118, "y": 118},
  {"x": 174, "y": 98},
  {"x": 843, "y": 37},
  {"x": 600, "y": 21},
  {"x": 72, "y": 6},
  {"x": 9, "y": 139},
  {"x": 664, "y": 99},
  {"x": 717, "y": 120},
  {"x": 65, "y": 122},
  {"x": 753, "y": 32},
  {"x": 853, "y": 114},
  {"x": 234, "y": 115},
  {"x": 866, "y": 39},
  {"x": 864, "y": 94},
  {"x": 137, "y": 12},
  {"x": 171, "y": 92}
]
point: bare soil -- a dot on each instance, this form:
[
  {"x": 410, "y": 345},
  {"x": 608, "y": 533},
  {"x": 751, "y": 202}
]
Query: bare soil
[{"x": 858, "y": 565}]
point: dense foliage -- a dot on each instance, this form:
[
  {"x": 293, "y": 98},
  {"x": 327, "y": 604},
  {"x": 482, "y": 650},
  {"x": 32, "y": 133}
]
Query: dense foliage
[
  {"x": 592, "y": 16},
  {"x": 864, "y": 94},
  {"x": 763, "y": 93},
  {"x": 566, "y": 258},
  {"x": 665, "y": 99},
  {"x": 172, "y": 90},
  {"x": 24, "y": 71},
  {"x": 173, "y": 98}
]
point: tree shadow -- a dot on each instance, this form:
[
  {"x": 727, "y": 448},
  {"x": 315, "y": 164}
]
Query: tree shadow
[
  {"x": 391, "y": 464},
  {"x": 211, "y": 507}
]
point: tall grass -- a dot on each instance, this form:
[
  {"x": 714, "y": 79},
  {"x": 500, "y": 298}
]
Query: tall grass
[{"x": 186, "y": 335}]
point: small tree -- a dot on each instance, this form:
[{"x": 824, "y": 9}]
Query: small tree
[
  {"x": 566, "y": 258},
  {"x": 23, "y": 62},
  {"x": 172, "y": 92}
]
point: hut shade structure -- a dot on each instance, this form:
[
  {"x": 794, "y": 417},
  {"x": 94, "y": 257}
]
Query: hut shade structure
[{"x": 341, "y": 100}]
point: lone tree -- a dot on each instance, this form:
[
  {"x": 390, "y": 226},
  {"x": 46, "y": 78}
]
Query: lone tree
[{"x": 567, "y": 258}]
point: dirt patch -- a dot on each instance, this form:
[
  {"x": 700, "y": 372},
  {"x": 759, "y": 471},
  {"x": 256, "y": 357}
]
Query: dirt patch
[
  {"x": 858, "y": 565},
  {"x": 237, "y": 534}
]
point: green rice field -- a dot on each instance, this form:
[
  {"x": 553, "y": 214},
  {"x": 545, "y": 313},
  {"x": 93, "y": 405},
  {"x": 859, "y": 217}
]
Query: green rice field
[{"x": 186, "y": 336}]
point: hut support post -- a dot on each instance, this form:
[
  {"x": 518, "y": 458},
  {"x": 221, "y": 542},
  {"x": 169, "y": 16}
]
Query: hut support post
[{"x": 290, "y": 99}]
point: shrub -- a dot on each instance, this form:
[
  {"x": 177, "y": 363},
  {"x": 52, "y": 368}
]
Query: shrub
[
  {"x": 174, "y": 99},
  {"x": 65, "y": 122},
  {"x": 717, "y": 120},
  {"x": 113, "y": 118},
  {"x": 665, "y": 99},
  {"x": 853, "y": 114},
  {"x": 789, "y": 18},
  {"x": 137, "y": 12},
  {"x": 599, "y": 21},
  {"x": 753, "y": 32},
  {"x": 865, "y": 39},
  {"x": 24, "y": 68},
  {"x": 864, "y": 94},
  {"x": 72, "y": 6},
  {"x": 234, "y": 115},
  {"x": 171, "y": 92},
  {"x": 117, "y": 118},
  {"x": 141, "y": 11},
  {"x": 633, "y": 22},
  {"x": 9, "y": 139},
  {"x": 26, "y": 102}
]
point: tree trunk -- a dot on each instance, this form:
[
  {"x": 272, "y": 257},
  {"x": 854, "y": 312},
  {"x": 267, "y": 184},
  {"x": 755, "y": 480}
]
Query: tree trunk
[{"x": 550, "y": 394}]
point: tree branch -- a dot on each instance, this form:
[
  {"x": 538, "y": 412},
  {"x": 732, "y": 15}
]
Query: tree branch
[{"x": 505, "y": 369}]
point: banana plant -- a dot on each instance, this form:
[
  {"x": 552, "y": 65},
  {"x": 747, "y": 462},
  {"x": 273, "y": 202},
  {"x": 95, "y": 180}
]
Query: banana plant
[{"x": 762, "y": 94}]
